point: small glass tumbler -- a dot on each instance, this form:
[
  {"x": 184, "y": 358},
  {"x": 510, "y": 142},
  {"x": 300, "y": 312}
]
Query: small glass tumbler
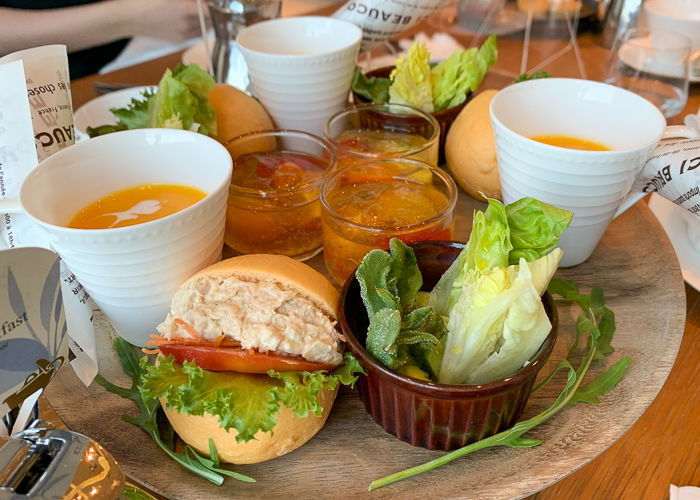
[
  {"x": 273, "y": 204},
  {"x": 366, "y": 204},
  {"x": 654, "y": 66},
  {"x": 376, "y": 131}
]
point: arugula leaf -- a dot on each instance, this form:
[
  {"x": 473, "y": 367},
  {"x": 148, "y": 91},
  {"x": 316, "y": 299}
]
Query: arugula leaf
[
  {"x": 574, "y": 391},
  {"x": 152, "y": 414}
]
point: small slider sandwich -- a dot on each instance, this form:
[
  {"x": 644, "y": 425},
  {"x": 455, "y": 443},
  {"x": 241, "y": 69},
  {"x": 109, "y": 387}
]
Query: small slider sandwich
[{"x": 250, "y": 357}]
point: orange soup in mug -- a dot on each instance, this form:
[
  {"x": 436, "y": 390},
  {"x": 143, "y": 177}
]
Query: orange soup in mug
[
  {"x": 135, "y": 205},
  {"x": 565, "y": 141}
]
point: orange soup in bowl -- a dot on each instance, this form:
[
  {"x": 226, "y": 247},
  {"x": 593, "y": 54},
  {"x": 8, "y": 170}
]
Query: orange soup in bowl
[{"x": 135, "y": 205}]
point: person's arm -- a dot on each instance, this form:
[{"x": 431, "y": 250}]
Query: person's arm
[{"x": 93, "y": 24}]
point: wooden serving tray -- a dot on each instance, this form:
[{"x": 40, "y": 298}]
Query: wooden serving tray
[{"x": 641, "y": 277}]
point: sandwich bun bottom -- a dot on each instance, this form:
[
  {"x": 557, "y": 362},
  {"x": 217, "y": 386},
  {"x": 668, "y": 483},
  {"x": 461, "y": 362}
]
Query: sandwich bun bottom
[{"x": 288, "y": 434}]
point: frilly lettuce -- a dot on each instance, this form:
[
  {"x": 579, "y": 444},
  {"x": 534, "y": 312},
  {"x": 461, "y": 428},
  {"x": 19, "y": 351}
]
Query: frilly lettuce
[
  {"x": 247, "y": 403},
  {"x": 180, "y": 102},
  {"x": 411, "y": 79}
]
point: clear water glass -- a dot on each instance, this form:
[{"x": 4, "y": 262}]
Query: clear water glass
[{"x": 654, "y": 66}]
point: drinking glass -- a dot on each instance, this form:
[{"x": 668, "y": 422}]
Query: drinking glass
[
  {"x": 654, "y": 66},
  {"x": 273, "y": 202},
  {"x": 375, "y": 131},
  {"x": 228, "y": 18},
  {"x": 364, "y": 205}
]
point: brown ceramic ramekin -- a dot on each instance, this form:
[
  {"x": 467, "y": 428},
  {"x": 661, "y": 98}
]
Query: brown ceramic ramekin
[{"x": 436, "y": 416}]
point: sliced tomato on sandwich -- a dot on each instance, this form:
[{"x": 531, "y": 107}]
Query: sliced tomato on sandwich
[
  {"x": 237, "y": 359},
  {"x": 220, "y": 355}
]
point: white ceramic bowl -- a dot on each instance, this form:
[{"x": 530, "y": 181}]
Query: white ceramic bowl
[
  {"x": 97, "y": 111},
  {"x": 132, "y": 272}
]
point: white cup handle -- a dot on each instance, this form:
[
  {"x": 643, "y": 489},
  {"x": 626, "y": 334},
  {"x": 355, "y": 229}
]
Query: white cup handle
[
  {"x": 680, "y": 131},
  {"x": 10, "y": 206}
]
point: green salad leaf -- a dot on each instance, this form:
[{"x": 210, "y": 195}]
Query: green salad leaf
[
  {"x": 535, "y": 228},
  {"x": 500, "y": 235},
  {"x": 410, "y": 79},
  {"x": 180, "y": 102},
  {"x": 152, "y": 420},
  {"x": 596, "y": 347},
  {"x": 373, "y": 88},
  {"x": 136, "y": 113},
  {"x": 245, "y": 402},
  {"x": 461, "y": 73},
  {"x": 402, "y": 330},
  {"x": 430, "y": 87}
]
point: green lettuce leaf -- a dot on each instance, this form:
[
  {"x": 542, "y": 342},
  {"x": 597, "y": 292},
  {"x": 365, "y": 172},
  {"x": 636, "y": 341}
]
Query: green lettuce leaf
[
  {"x": 375, "y": 88},
  {"x": 498, "y": 324},
  {"x": 247, "y": 403},
  {"x": 535, "y": 228},
  {"x": 182, "y": 102},
  {"x": 410, "y": 79},
  {"x": 401, "y": 327},
  {"x": 526, "y": 323},
  {"x": 461, "y": 73},
  {"x": 135, "y": 114},
  {"x": 489, "y": 246}
]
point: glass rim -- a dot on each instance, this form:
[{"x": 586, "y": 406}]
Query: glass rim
[
  {"x": 283, "y": 132},
  {"x": 452, "y": 195},
  {"x": 433, "y": 139}
]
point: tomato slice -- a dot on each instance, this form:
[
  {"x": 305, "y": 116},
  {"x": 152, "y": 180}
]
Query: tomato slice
[{"x": 235, "y": 359}]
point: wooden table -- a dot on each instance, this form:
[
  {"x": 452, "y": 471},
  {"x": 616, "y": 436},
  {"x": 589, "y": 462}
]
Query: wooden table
[{"x": 663, "y": 447}]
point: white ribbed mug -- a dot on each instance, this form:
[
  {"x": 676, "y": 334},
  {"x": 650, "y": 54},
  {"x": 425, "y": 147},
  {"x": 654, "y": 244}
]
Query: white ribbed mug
[
  {"x": 595, "y": 185},
  {"x": 301, "y": 68},
  {"x": 131, "y": 272}
]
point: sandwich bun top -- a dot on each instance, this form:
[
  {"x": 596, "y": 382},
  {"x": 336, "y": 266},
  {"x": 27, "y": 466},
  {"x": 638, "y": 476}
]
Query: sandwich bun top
[
  {"x": 271, "y": 303},
  {"x": 267, "y": 268}
]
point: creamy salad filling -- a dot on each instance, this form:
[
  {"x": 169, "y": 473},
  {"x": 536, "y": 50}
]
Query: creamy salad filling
[{"x": 261, "y": 315}]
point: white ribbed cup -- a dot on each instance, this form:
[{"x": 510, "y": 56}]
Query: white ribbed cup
[
  {"x": 132, "y": 272},
  {"x": 593, "y": 184},
  {"x": 301, "y": 68}
]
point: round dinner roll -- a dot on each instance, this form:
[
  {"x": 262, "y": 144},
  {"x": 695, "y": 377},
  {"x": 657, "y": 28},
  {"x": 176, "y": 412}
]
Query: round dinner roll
[
  {"x": 289, "y": 434},
  {"x": 237, "y": 113},
  {"x": 470, "y": 149}
]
